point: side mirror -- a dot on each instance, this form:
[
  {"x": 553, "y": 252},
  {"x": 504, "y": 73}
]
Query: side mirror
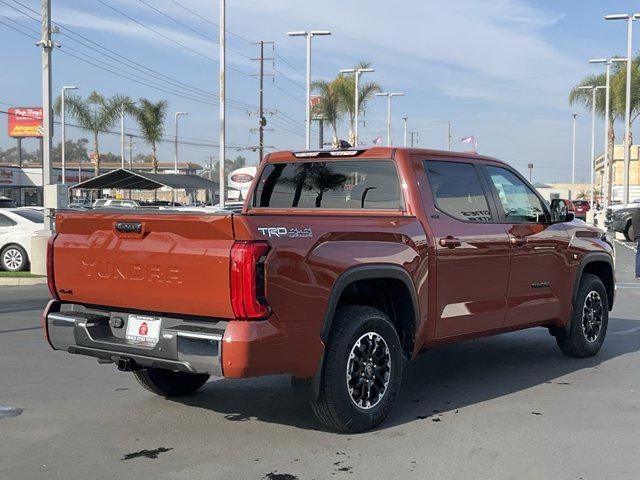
[{"x": 562, "y": 211}]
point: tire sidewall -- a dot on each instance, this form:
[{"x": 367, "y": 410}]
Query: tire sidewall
[
  {"x": 25, "y": 260},
  {"x": 361, "y": 321},
  {"x": 589, "y": 284}
]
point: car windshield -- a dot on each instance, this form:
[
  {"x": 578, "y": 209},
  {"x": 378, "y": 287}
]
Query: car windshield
[{"x": 32, "y": 215}]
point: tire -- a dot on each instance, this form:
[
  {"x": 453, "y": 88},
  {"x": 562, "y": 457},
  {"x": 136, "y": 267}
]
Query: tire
[
  {"x": 585, "y": 333},
  {"x": 356, "y": 330},
  {"x": 629, "y": 232},
  {"x": 13, "y": 258},
  {"x": 170, "y": 384}
]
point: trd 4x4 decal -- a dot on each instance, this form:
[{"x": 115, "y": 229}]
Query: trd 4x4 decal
[{"x": 295, "y": 232}]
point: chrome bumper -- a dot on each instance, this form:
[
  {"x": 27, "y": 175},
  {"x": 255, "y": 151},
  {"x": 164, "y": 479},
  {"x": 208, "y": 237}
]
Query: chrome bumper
[{"x": 185, "y": 346}]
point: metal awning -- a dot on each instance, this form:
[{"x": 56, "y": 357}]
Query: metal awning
[{"x": 128, "y": 180}]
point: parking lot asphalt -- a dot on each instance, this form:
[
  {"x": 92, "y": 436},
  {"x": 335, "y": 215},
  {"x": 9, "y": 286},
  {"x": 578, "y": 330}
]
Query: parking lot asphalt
[{"x": 510, "y": 406}]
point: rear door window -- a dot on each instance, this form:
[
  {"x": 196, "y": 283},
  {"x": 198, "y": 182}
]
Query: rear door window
[
  {"x": 6, "y": 221},
  {"x": 336, "y": 185},
  {"x": 457, "y": 191}
]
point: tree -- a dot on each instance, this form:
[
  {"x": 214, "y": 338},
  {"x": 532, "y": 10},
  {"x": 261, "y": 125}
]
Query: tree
[
  {"x": 229, "y": 166},
  {"x": 151, "y": 117},
  {"x": 346, "y": 88},
  {"x": 328, "y": 106},
  {"x": 75, "y": 151},
  {"x": 95, "y": 113}
]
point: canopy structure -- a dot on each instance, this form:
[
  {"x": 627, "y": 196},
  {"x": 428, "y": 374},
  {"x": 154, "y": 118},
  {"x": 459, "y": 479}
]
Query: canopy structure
[{"x": 128, "y": 180}]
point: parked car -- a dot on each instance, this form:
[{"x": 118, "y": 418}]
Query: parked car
[
  {"x": 7, "y": 202},
  {"x": 115, "y": 203},
  {"x": 84, "y": 203},
  {"x": 621, "y": 221},
  {"x": 17, "y": 226},
  {"x": 342, "y": 265},
  {"x": 581, "y": 207}
]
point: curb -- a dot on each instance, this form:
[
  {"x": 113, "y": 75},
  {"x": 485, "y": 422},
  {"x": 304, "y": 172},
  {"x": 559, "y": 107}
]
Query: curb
[
  {"x": 633, "y": 247},
  {"x": 23, "y": 281}
]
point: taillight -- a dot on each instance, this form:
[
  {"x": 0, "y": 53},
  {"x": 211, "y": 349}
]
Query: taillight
[
  {"x": 247, "y": 280},
  {"x": 50, "y": 281}
]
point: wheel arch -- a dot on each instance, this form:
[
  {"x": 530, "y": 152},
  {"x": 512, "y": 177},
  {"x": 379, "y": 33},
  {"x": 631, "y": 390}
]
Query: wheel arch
[
  {"x": 397, "y": 297},
  {"x": 601, "y": 265}
]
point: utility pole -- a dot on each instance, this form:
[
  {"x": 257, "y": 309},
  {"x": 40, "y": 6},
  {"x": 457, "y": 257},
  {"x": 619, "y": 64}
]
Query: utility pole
[
  {"x": 404, "y": 120},
  {"x": 573, "y": 154},
  {"x": 449, "y": 135},
  {"x": 222, "y": 100},
  {"x": 130, "y": 152},
  {"x": 414, "y": 137},
  {"x": 47, "y": 117},
  {"x": 262, "y": 120}
]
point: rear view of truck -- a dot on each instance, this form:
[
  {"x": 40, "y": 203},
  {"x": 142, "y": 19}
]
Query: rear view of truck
[{"x": 154, "y": 292}]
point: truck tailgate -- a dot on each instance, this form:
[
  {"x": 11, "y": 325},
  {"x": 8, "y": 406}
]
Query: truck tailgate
[{"x": 156, "y": 262}]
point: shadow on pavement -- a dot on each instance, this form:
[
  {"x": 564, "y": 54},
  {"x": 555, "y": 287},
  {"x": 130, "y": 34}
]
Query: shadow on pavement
[{"x": 439, "y": 381}]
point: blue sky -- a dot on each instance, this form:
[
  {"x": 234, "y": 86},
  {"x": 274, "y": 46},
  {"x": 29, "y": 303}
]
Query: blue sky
[{"x": 497, "y": 69}]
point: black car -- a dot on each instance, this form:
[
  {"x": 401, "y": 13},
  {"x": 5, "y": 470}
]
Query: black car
[
  {"x": 7, "y": 203},
  {"x": 620, "y": 221}
]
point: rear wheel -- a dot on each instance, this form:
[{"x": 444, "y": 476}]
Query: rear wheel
[
  {"x": 13, "y": 258},
  {"x": 362, "y": 371},
  {"x": 585, "y": 334},
  {"x": 629, "y": 232},
  {"x": 170, "y": 384}
]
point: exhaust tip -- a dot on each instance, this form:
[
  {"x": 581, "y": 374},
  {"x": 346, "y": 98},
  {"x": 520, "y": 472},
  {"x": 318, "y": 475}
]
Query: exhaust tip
[{"x": 126, "y": 365}]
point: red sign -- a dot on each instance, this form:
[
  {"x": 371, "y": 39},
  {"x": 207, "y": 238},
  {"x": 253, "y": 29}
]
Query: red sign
[
  {"x": 144, "y": 329},
  {"x": 314, "y": 100},
  {"x": 241, "y": 178},
  {"x": 25, "y": 122}
]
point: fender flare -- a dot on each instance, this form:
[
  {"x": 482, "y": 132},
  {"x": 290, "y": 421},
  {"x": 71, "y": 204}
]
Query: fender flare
[
  {"x": 591, "y": 258},
  {"x": 367, "y": 272}
]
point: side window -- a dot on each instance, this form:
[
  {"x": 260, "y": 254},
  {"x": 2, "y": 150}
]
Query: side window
[
  {"x": 6, "y": 221},
  {"x": 520, "y": 203},
  {"x": 457, "y": 191}
]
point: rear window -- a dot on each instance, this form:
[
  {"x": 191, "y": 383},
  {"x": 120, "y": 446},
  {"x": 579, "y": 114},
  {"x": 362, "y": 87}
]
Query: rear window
[
  {"x": 31, "y": 215},
  {"x": 338, "y": 185}
]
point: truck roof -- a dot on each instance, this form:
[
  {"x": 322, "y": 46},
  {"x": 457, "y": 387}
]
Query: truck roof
[{"x": 372, "y": 152}]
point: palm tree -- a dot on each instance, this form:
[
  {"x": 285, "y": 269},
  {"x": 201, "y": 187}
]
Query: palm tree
[
  {"x": 346, "y": 92},
  {"x": 329, "y": 105},
  {"x": 151, "y": 117},
  {"x": 95, "y": 113}
]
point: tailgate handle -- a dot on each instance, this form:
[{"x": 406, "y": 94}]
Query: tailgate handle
[{"x": 129, "y": 229}]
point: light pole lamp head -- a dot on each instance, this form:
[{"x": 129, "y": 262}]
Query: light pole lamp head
[
  {"x": 382, "y": 94},
  {"x": 619, "y": 60},
  {"x": 617, "y": 16},
  {"x": 396, "y": 94},
  {"x": 69, "y": 87},
  {"x": 315, "y": 33},
  {"x": 299, "y": 33},
  {"x": 348, "y": 70},
  {"x": 586, "y": 87},
  {"x": 363, "y": 70}
]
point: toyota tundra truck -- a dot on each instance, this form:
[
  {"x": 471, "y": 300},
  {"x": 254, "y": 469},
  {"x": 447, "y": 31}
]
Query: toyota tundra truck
[{"x": 342, "y": 266}]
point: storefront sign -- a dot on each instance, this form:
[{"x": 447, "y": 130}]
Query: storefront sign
[{"x": 25, "y": 122}]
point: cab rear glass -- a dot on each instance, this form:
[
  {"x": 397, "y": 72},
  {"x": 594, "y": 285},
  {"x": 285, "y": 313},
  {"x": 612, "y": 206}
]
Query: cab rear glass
[{"x": 334, "y": 185}]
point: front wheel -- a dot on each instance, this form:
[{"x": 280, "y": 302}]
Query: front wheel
[
  {"x": 587, "y": 329},
  {"x": 362, "y": 371},
  {"x": 629, "y": 232},
  {"x": 170, "y": 384}
]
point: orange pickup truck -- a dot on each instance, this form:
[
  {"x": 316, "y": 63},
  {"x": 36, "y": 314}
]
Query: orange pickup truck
[{"x": 343, "y": 265}]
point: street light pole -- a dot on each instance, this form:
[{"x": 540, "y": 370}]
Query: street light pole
[
  {"x": 63, "y": 132},
  {"x": 222, "y": 77},
  {"x": 404, "y": 119},
  {"x": 389, "y": 97},
  {"x": 357, "y": 72},
  {"x": 47, "y": 118},
  {"x": 573, "y": 153},
  {"x": 175, "y": 155},
  {"x": 627, "y": 106},
  {"x": 605, "y": 173},
  {"x": 594, "y": 92},
  {"x": 309, "y": 35}
]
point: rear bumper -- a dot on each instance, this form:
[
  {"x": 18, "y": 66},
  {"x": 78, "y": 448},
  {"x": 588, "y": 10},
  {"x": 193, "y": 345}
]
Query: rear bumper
[
  {"x": 231, "y": 349},
  {"x": 182, "y": 346}
]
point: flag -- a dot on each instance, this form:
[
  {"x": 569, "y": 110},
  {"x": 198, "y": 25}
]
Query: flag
[
  {"x": 377, "y": 140},
  {"x": 472, "y": 140}
]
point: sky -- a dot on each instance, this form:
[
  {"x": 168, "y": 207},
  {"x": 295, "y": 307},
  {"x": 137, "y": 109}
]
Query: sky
[{"x": 497, "y": 69}]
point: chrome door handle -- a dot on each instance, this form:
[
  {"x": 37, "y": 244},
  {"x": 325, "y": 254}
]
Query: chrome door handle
[
  {"x": 450, "y": 242},
  {"x": 518, "y": 241}
]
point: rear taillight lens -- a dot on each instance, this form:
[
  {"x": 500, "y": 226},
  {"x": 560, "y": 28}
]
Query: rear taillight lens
[
  {"x": 247, "y": 280},
  {"x": 50, "y": 281}
]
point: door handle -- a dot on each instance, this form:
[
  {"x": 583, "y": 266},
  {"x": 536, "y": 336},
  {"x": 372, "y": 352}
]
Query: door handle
[
  {"x": 450, "y": 242},
  {"x": 518, "y": 241}
]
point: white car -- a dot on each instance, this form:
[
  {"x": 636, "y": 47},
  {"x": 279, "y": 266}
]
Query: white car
[
  {"x": 115, "y": 203},
  {"x": 17, "y": 226}
]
